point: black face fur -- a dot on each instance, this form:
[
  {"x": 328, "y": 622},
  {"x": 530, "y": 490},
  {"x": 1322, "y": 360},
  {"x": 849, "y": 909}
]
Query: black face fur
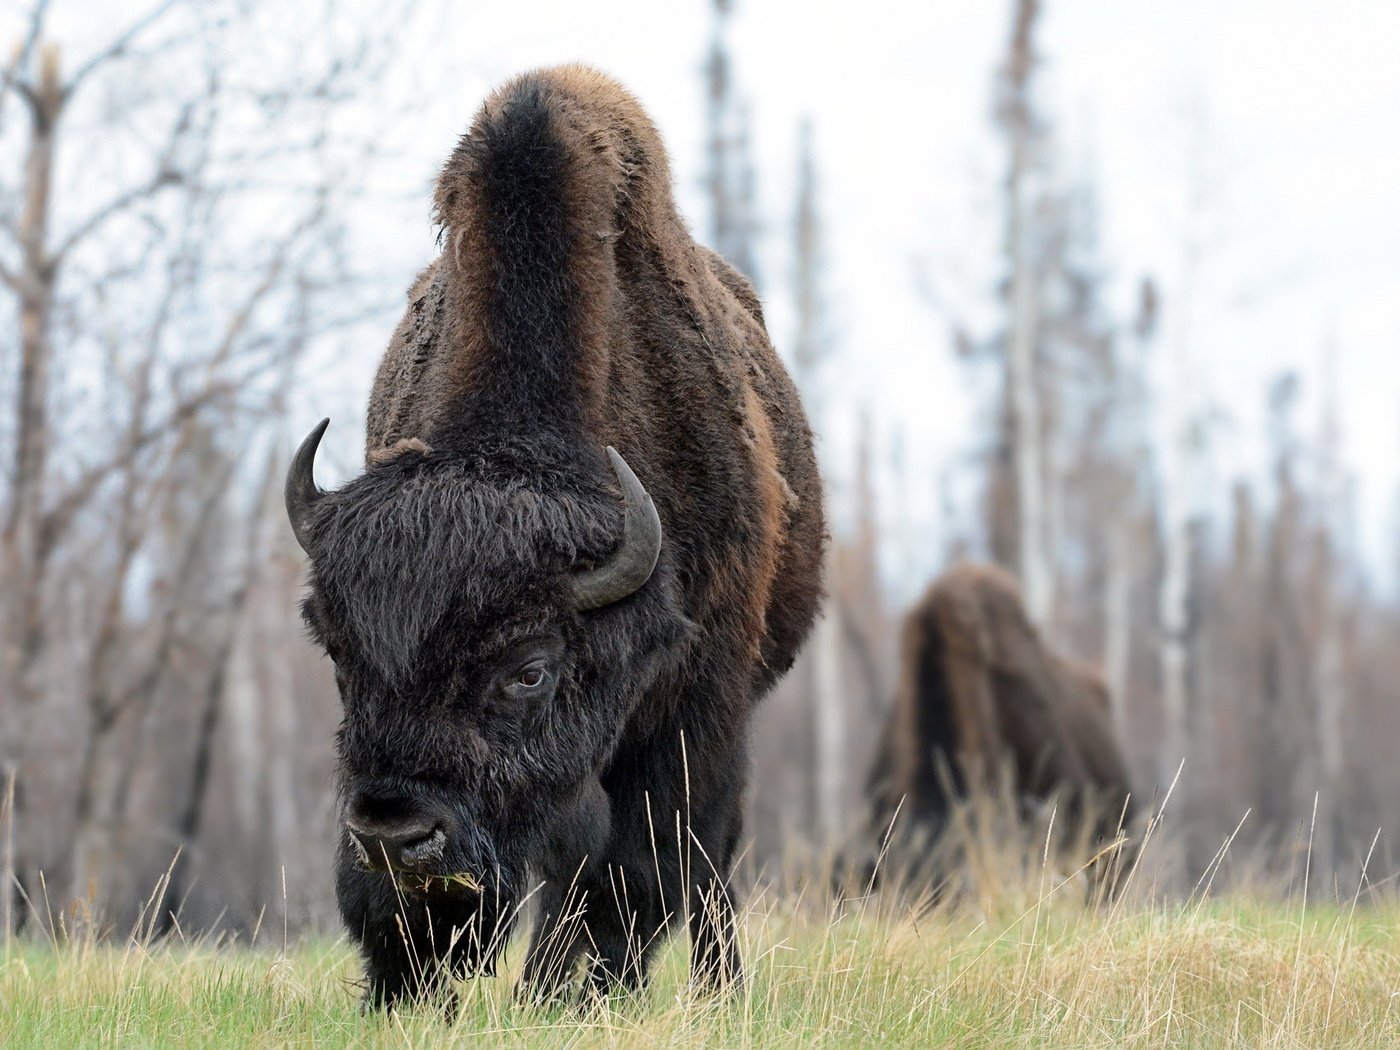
[{"x": 477, "y": 700}]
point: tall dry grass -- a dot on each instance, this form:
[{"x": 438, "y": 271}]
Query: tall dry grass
[{"x": 1016, "y": 953}]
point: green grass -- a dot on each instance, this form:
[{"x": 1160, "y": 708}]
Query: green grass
[{"x": 1234, "y": 972}]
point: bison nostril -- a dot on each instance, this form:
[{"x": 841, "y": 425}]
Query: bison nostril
[
  {"x": 361, "y": 842},
  {"x": 424, "y": 851},
  {"x": 412, "y": 847}
]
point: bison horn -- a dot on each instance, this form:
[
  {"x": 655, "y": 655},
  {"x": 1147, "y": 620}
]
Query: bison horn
[
  {"x": 635, "y": 559},
  {"x": 301, "y": 492}
]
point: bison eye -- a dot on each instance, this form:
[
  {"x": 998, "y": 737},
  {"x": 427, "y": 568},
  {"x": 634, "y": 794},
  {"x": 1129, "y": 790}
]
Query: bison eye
[{"x": 531, "y": 677}]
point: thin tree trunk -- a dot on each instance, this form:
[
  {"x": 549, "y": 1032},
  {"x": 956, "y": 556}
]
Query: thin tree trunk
[
  {"x": 1329, "y": 685},
  {"x": 1035, "y": 572},
  {"x": 7, "y": 865},
  {"x": 22, "y": 542},
  {"x": 1329, "y": 670},
  {"x": 1174, "y": 650},
  {"x": 1028, "y": 460},
  {"x": 89, "y": 834},
  {"x": 190, "y": 814},
  {"x": 1176, "y": 456},
  {"x": 1118, "y": 627},
  {"x": 828, "y": 698}
]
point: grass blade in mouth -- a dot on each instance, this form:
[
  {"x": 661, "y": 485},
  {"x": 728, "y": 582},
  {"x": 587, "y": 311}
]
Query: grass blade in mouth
[{"x": 461, "y": 880}]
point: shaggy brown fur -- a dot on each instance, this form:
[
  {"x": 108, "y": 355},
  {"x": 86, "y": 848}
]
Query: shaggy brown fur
[
  {"x": 666, "y": 343},
  {"x": 569, "y": 310},
  {"x": 978, "y": 689}
]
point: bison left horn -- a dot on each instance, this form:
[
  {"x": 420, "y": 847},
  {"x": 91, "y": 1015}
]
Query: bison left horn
[
  {"x": 301, "y": 492},
  {"x": 632, "y": 564}
]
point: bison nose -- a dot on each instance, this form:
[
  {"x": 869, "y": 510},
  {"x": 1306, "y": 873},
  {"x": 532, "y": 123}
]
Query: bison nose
[{"x": 410, "y": 846}]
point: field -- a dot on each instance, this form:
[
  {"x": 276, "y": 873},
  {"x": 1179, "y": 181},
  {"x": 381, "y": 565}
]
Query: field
[{"x": 1040, "y": 971}]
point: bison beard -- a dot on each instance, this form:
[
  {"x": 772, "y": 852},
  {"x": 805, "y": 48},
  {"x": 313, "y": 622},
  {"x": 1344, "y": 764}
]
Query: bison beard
[
  {"x": 979, "y": 689},
  {"x": 548, "y": 652}
]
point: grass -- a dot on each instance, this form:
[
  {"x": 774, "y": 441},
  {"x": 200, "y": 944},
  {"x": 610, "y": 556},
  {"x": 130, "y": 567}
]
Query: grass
[
  {"x": 1015, "y": 957},
  {"x": 1229, "y": 972}
]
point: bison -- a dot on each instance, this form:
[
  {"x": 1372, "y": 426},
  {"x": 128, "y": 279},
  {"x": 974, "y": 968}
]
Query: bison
[
  {"x": 979, "y": 690},
  {"x": 587, "y": 540}
]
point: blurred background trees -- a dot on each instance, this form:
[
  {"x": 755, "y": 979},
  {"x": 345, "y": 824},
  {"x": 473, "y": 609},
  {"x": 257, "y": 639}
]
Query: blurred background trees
[
  {"x": 170, "y": 247},
  {"x": 183, "y": 198}
]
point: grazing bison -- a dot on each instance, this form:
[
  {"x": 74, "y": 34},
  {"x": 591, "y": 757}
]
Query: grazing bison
[
  {"x": 979, "y": 690},
  {"x": 586, "y": 542}
]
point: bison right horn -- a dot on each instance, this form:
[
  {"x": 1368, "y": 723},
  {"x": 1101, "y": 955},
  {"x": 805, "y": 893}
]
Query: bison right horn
[
  {"x": 635, "y": 559},
  {"x": 301, "y": 492}
]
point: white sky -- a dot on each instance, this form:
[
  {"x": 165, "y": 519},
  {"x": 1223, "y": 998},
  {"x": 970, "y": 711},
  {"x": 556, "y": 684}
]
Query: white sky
[{"x": 1288, "y": 110}]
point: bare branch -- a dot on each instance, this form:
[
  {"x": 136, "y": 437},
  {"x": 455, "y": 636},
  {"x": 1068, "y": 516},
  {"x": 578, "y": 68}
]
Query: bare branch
[
  {"x": 10, "y": 78},
  {"x": 275, "y": 265},
  {"x": 118, "y": 46},
  {"x": 145, "y": 683},
  {"x": 163, "y": 177},
  {"x": 230, "y": 609},
  {"x": 60, "y": 517}
]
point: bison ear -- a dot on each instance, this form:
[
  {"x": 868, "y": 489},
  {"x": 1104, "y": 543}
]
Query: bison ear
[
  {"x": 301, "y": 493},
  {"x": 635, "y": 558}
]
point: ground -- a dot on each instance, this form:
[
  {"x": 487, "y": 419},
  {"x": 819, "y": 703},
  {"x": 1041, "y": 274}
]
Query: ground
[{"x": 1038, "y": 971}]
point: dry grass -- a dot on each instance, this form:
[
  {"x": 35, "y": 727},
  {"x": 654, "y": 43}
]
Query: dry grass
[
  {"x": 1028, "y": 965},
  {"x": 1015, "y": 957}
]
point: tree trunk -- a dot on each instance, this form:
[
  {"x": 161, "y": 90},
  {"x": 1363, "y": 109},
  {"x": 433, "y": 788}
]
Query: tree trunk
[
  {"x": 1174, "y": 650},
  {"x": 1028, "y": 459},
  {"x": 830, "y": 724},
  {"x": 1329, "y": 668},
  {"x": 7, "y": 864},
  {"x": 1329, "y": 686},
  {"x": 1118, "y": 628},
  {"x": 23, "y": 544},
  {"x": 188, "y": 818}
]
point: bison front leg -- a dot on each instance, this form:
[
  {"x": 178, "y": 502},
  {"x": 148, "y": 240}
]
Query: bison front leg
[
  {"x": 412, "y": 943},
  {"x": 670, "y": 860},
  {"x": 714, "y": 932},
  {"x": 570, "y": 870},
  {"x": 714, "y": 936},
  {"x": 708, "y": 822},
  {"x": 558, "y": 940},
  {"x": 629, "y": 916},
  {"x": 626, "y": 925}
]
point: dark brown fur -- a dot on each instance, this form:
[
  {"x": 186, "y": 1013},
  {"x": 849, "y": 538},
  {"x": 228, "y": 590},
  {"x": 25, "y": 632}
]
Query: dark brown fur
[
  {"x": 979, "y": 689},
  {"x": 569, "y": 310},
  {"x": 660, "y": 323}
]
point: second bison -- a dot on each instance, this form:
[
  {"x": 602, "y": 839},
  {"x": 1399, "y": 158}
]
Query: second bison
[{"x": 982, "y": 696}]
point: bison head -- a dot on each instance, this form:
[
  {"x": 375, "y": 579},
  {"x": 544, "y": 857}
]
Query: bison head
[{"x": 493, "y": 620}]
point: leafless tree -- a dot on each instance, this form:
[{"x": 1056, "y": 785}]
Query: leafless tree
[
  {"x": 730, "y": 180},
  {"x": 175, "y": 248},
  {"x": 1020, "y": 126}
]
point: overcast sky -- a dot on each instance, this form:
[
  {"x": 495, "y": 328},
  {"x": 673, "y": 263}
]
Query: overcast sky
[{"x": 1284, "y": 113}]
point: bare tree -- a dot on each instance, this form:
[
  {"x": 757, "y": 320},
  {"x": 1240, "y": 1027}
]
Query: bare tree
[
  {"x": 1183, "y": 432},
  {"x": 157, "y": 304},
  {"x": 730, "y": 181},
  {"x": 1021, "y": 129},
  {"x": 1126, "y": 538},
  {"x": 1329, "y": 627},
  {"x": 811, "y": 351}
]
